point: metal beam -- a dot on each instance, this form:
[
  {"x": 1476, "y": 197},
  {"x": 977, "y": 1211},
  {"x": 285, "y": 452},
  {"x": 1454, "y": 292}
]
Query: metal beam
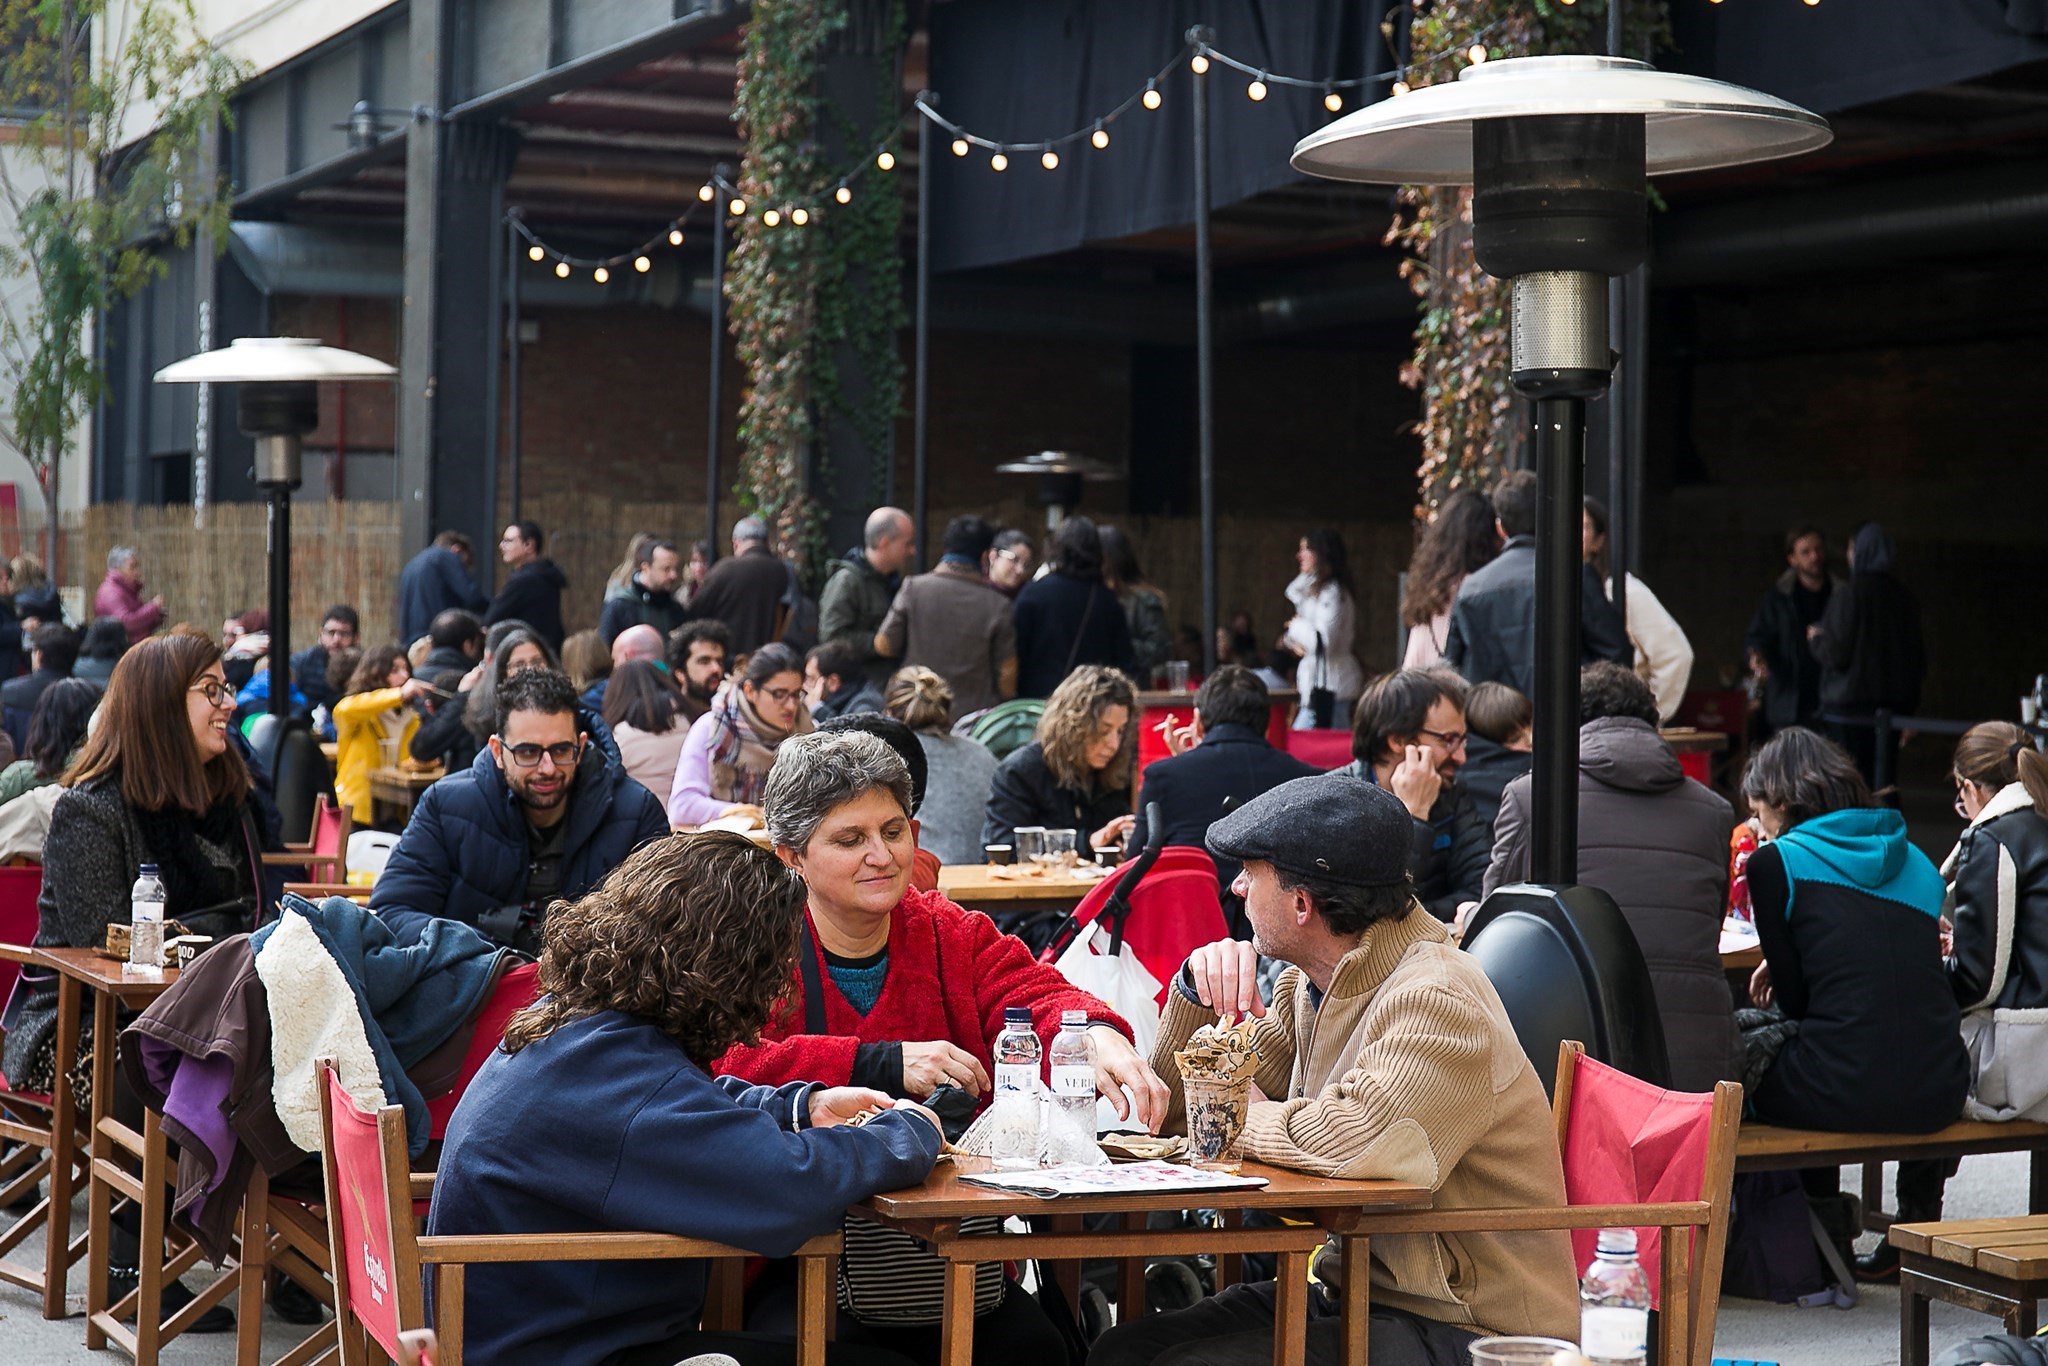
[{"x": 713, "y": 21}]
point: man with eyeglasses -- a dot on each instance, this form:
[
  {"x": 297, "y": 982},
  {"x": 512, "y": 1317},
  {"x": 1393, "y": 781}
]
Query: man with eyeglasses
[
  {"x": 541, "y": 815},
  {"x": 1408, "y": 736}
]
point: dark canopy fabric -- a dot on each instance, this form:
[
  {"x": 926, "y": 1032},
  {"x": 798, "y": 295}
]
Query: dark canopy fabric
[{"x": 1033, "y": 69}]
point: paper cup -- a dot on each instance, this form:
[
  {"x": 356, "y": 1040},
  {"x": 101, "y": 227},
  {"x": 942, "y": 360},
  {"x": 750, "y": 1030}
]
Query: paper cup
[
  {"x": 1216, "y": 1113},
  {"x": 1520, "y": 1351}
]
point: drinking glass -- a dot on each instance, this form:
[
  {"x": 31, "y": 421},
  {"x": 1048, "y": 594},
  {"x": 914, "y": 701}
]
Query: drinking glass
[
  {"x": 1176, "y": 675},
  {"x": 1060, "y": 846},
  {"x": 1518, "y": 1351},
  {"x": 1029, "y": 842}
]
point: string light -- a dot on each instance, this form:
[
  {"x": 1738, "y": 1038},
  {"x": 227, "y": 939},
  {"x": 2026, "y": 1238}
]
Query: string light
[
  {"x": 534, "y": 253},
  {"x": 1049, "y": 159},
  {"x": 1199, "y": 64},
  {"x": 799, "y": 216},
  {"x": 1100, "y": 137},
  {"x": 1332, "y": 101},
  {"x": 1150, "y": 99},
  {"x": 738, "y": 205},
  {"x": 1256, "y": 91},
  {"x": 705, "y": 192},
  {"x": 675, "y": 237},
  {"x": 1477, "y": 53},
  {"x": 1400, "y": 87},
  {"x": 600, "y": 275},
  {"x": 562, "y": 269},
  {"x": 959, "y": 147},
  {"x": 887, "y": 161},
  {"x": 843, "y": 195},
  {"x": 642, "y": 264},
  {"x": 999, "y": 162},
  {"x": 771, "y": 218}
]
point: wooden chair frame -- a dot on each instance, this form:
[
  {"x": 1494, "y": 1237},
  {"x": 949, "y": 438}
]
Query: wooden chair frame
[
  {"x": 332, "y": 867},
  {"x": 1690, "y": 1285},
  {"x": 451, "y": 1255},
  {"x": 30, "y": 1121}
]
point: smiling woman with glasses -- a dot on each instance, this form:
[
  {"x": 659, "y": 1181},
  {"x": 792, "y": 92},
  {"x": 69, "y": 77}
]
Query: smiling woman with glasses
[{"x": 727, "y": 755}]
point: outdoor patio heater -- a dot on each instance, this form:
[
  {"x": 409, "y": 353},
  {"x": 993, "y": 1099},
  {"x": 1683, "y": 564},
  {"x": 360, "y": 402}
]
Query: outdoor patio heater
[
  {"x": 278, "y": 403},
  {"x": 1059, "y": 475},
  {"x": 1557, "y": 150}
]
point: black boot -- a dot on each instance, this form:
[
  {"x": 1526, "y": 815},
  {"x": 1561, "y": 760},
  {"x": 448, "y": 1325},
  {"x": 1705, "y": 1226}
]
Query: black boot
[
  {"x": 122, "y": 1280},
  {"x": 294, "y": 1303},
  {"x": 1920, "y": 1187}
]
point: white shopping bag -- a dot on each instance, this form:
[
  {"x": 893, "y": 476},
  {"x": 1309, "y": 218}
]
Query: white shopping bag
[{"x": 1122, "y": 982}]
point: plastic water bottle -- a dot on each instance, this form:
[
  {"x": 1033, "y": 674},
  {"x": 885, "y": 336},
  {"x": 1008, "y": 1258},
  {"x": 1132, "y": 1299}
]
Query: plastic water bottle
[
  {"x": 1614, "y": 1303},
  {"x": 1020, "y": 1128},
  {"x": 1073, "y": 1081},
  {"x": 146, "y": 920}
]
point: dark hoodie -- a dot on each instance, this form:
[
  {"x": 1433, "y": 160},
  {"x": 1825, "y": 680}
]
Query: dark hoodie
[
  {"x": 533, "y": 594},
  {"x": 1657, "y": 842},
  {"x": 1869, "y": 645}
]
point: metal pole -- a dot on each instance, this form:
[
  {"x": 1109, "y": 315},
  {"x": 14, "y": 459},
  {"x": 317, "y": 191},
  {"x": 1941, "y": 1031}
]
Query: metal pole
[
  {"x": 921, "y": 381},
  {"x": 1205, "y": 357},
  {"x": 1615, "y": 410},
  {"x": 1614, "y": 39},
  {"x": 716, "y": 404},
  {"x": 280, "y": 536},
  {"x": 513, "y": 256},
  {"x": 1560, "y": 449}
]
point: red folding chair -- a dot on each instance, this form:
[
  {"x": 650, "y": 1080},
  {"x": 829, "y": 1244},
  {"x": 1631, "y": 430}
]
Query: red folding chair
[
  {"x": 26, "y": 1120},
  {"x": 1171, "y": 909}
]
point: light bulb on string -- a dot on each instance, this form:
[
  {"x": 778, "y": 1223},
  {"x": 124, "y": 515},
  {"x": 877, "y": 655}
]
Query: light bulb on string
[
  {"x": 600, "y": 275},
  {"x": 1049, "y": 159},
  {"x": 534, "y": 253},
  {"x": 642, "y": 264},
  {"x": 1400, "y": 87},
  {"x": 1256, "y": 91},
  {"x": 886, "y": 160},
  {"x": 799, "y": 216},
  {"x": 738, "y": 206},
  {"x": 1150, "y": 99},
  {"x": 843, "y": 195},
  {"x": 1332, "y": 101},
  {"x": 675, "y": 237},
  {"x": 1199, "y": 64},
  {"x": 1477, "y": 53},
  {"x": 562, "y": 270},
  {"x": 1100, "y": 137},
  {"x": 999, "y": 162},
  {"x": 706, "y": 193},
  {"x": 959, "y": 147},
  {"x": 771, "y": 218}
]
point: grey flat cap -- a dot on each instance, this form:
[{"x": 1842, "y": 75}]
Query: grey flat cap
[{"x": 1330, "y": 827}]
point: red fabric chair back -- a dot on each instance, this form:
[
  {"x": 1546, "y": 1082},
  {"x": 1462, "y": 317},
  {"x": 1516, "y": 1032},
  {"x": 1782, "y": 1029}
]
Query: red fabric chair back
[
  {"x": 514, "y": 992},
  {"x": 1174, "y": 911},
  {"x": 1631, "y": 1143},
  {"x": 327, "y": 824},
  {"x": 1325, "y": 749},
  {"x": 358, "y": 1199},
  {"x": 19, "y": 888}
]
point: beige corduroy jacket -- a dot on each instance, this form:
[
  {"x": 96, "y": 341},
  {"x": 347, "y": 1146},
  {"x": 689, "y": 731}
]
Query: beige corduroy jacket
[{"x": 1410, "y": 1071}]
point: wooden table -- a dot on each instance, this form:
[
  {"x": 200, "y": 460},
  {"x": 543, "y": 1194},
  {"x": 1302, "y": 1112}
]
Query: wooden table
[
  {"x": 1992, "y": 1266},
  {"x": 113, "y": 984},
  {"x": 976, "y": 886},
  {"x": 399, "y": 788},
  {"x": 932, "y": 1213},
  {"x": 1695, "y": 750}
]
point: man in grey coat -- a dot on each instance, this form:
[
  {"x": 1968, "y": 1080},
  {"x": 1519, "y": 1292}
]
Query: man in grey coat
[{"x": 1657, "y": 842}]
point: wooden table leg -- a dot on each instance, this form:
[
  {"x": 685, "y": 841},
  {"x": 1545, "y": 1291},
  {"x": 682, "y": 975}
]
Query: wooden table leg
[
  {"x": 1290, "y": 1309},
  {"x": 63, "y": 1152},
  {"x": 813, "y": 1298},
  {"x": 1357, "y": 1259},
  {"x": 106, "y": 1041},
  {"x": 1912, "y": 1320},
  {"x": 956, "y": 1325},
  {"x": 1130, "y": 1293}
]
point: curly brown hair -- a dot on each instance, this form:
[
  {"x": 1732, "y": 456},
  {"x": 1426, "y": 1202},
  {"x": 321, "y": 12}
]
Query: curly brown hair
[
  {"x": 696, "y": 934},
  {"x": 1068, "y": 728}
]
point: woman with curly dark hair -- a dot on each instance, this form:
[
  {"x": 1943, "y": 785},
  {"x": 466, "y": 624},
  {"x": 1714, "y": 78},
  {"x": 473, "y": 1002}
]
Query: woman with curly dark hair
[
  {"x": 1460, "y": 540},
  {"x": 1077, "y": 775},
  {"x": 600, "y": 1114}
]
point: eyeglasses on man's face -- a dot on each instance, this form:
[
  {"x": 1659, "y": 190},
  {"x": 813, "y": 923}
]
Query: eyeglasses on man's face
[
  {"x": 1453, "y": 740},
  {"x": 527, "y": 756}
]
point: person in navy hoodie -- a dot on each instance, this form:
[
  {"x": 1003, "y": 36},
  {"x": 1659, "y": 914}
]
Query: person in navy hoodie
[{"x": 599, "y": 1114}]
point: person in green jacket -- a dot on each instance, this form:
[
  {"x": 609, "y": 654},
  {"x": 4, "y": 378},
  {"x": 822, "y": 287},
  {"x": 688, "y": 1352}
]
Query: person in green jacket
[{"x": 860, "y": 587}]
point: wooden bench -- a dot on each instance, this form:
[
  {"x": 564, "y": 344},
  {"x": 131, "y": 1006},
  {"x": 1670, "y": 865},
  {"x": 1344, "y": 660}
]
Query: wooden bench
[
  {"x": 1994, "y": 1266},
  {"x": 1768, "y": 1148}
]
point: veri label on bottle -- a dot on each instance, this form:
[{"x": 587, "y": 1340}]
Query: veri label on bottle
[
  {"x": 1016, "y": 1076},
  {"x": 1612, "y": 1334},
  {"x": 1073, "y": 1081}
]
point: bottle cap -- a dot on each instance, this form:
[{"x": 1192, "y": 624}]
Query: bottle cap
[
  {"x": 1617, "y": 1240},
  {"x": 1074, "y": 1018},
  {"x": 1016, "y": 1015},
  {"x": 148, "y": 870}
]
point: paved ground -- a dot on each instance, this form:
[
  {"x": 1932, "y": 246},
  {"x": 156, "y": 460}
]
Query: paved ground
[{"x": 1748, "y": 1330}]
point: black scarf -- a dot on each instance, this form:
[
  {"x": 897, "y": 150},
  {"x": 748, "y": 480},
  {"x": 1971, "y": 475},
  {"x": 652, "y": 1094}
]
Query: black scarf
[{"x": 193, "y": 884}]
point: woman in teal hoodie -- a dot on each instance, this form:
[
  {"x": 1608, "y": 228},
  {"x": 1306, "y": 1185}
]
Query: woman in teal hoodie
[{"x": 1848, "y": 913}]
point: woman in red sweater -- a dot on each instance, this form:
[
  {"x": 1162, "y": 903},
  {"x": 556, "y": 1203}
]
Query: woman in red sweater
[{"x": 905, "y": 990}]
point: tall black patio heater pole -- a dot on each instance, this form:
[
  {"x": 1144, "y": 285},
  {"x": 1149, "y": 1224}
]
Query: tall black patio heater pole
[
  {"x": 1205, "y": 354},
  {"x": 921, "y": 380},
  {"x": 512, "y": 362},
  {"x": 1622, "y": 322},
  {"x": 278, "y": 527},
  {"x": 716, "y": 404}
]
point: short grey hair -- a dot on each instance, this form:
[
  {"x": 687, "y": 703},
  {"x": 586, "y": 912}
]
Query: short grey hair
[
  {"x": 883, "y": 523},
  {"x": 816, "y": 773},
  {"x": 120, "y": 555},
  {"x": 750, "y": 529}
]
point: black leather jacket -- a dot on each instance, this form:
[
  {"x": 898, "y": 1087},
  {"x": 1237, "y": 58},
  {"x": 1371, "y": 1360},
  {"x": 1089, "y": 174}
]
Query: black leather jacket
[{"x": 2013, "y": 841}]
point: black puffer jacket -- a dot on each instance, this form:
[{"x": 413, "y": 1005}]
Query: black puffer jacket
[
  {"x": 1025, "y": 793},
  {"x": 1448, "y": 855},
  {"x": 532, "y": 593},
  {"x": 1998, "y": 893},
  {"x": 1657, "y": 842}
]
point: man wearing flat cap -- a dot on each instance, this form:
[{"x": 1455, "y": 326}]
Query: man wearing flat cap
[{"x": 1388, "y": 1055}]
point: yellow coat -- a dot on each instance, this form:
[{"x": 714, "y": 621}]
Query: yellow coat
[{"x": 359, "y": 729}]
